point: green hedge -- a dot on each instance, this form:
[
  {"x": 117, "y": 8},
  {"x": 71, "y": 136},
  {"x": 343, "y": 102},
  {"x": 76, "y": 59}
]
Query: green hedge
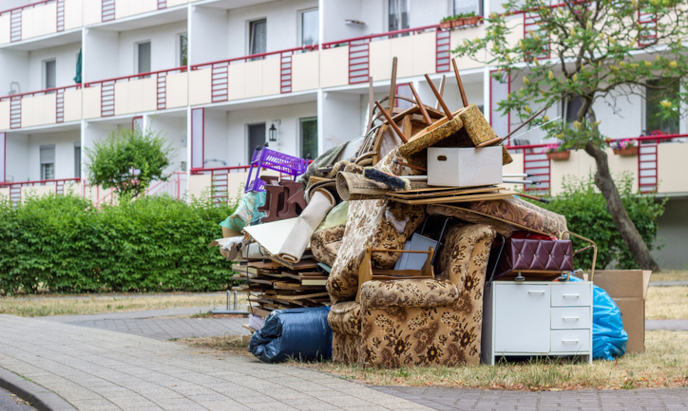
[
  {"x": 156, "y": 243},
  {"x": 587, "y": 215}
]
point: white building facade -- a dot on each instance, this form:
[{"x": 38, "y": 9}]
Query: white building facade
[{"x": 219, "y": 77}]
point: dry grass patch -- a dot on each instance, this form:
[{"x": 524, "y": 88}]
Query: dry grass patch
[
  {"x": 232, "y": 344},
  {"x": 670, "y": 275},
  {"x": 68, "y": 305},
  {"x": 666, "y": 303},
  {"x": 665, "y": 364}
]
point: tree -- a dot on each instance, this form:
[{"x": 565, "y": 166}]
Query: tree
[
  {"x": 596, "y": 51},
  {"x": 128, "y": 160}
]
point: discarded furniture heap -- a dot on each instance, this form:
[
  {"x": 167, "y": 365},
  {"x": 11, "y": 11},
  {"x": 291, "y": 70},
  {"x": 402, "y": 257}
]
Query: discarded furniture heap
[{"x": 402, "y": 233}]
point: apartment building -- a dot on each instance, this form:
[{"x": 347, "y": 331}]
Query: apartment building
[{"x": 219, "y": 77}]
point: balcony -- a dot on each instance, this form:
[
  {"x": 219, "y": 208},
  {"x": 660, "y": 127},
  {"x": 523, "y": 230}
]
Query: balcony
[
  {"x": 39, "y": 19},
  {"x": 156, "y": 90},
  {"x": 43, "y": 107}
]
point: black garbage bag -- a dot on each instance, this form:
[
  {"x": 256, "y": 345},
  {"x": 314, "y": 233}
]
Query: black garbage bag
[{"x": 298, "y": 332}]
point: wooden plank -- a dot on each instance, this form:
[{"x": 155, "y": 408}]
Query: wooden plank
[
  {"x": 461, "y": 191},
  {"x": 458, "y": 199}
]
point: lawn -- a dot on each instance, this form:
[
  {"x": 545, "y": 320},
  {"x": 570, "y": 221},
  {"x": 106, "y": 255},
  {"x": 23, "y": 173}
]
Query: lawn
[
  {"x": 670, "y": 275},
  {"x": 666, "y": 303},
  {"x": 39, "y": 306}
]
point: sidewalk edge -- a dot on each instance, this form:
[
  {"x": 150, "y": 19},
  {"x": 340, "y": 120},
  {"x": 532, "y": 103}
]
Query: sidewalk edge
[{"x": 40, "y": 398}]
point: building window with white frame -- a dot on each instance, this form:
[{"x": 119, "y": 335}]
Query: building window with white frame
[
  {"x": 143, "y": 54},
  {"x": 257, "y": 37},
  {"x": 50, "y": 74},
  {"x": 468, "y": 6},
  {"x": 310, "y": 27},
  {"x": 47, "y": 156},
  {"x": 398, "y": 15},
  {"x": 183, "y": 49},
  {"x": 657, "y": 91},
  {"x": 309, "y": 137}
]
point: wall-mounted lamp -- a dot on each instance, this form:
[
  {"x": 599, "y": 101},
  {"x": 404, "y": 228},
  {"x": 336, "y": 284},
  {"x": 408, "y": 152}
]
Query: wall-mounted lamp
[{"x": 272, "y": 133}]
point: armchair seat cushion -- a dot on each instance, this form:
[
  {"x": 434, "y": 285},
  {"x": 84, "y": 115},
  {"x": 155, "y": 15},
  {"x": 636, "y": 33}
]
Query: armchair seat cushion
[
  {"x": 408, "y": 293},
  {"x": 345, "y": 318}
]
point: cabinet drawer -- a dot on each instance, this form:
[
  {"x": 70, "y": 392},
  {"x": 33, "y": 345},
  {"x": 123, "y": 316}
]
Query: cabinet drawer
[
  {"x": 572, "y": 341},
  {"x": 521, "y": 318},
  {"x": 571, "y": 295},
  {"x": 570, "y": 317}
]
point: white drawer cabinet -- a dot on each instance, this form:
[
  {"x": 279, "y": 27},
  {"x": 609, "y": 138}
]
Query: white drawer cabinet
[{"x": 537, "y": 318}]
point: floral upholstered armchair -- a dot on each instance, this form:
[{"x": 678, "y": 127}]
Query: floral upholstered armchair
[{"x": 419, "y": 321}]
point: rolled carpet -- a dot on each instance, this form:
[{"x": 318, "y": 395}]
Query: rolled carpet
[{"x": 297, "y": 241}]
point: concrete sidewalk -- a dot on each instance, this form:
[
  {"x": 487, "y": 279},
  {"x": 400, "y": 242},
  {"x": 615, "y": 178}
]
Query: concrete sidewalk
[{"x": 97, "y": 369}]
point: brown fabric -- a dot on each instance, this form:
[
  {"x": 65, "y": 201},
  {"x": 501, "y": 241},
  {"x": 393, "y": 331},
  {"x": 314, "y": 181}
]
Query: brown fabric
[
  {"x": 502, "y": 228},
  {"x": 408, "y": 293},
  {"x": 552, "y": 223},
  {"x": 431, "y": 138},
  {"x": 345, "y": 318},
  {"x": 346, "y": 348},
  {"x": 393, "y": 335},
  {"x": 368, "y": 223},
  {"x": 479, "y": 130},
  {"x": 511, "y": 210},
  {"x": 524, "y": 254},
  {"x": 325, "y": 243},
  {"x": 352, "y": 186}
]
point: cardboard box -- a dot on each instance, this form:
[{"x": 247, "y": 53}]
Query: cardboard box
[
  {"x": 464, "y": 167},
  {"x": 628, "y": 289}
]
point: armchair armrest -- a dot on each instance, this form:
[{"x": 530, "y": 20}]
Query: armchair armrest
[{"x": 408, "y": 293}]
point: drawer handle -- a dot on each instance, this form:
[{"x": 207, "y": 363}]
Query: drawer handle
[
  {"x": 569, "y": 341},
  {"x": 571, "y": 295},
  {"x": 536, "y": 291},
  {"x": 570, "y": 318}
]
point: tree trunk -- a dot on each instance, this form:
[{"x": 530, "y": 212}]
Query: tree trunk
[{"x": 630, "y": 234}]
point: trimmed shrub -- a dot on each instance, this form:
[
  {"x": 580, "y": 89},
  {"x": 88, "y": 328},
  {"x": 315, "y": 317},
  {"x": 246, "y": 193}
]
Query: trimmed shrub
[
  {"x": 587, "y": 215},
  {"x": 63, "y": 244}
]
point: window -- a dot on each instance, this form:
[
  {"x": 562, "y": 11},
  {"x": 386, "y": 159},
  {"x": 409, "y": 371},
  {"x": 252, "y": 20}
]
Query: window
[
  {"x": 256, "y": 137},
  {"x": 398, "y": 15},
  {"x": 257, "y": 37},
  {"x": 467, "y": 6},
  {"x": 309, "y": 137},
  {"x": 47, "y": 156},
  {"x": 572, "y": 108},
  {"x": 183, "y": 49},
  {"x": 77, "y": 160},
  {"x": 144, "y": 57},
  {"x": 50, "y": 74},
  {"x": 310, "y": 27},
  {"x": 653, "y": 118}
]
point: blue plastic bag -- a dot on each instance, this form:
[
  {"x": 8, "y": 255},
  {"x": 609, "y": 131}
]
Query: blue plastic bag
[
  {"x": 608, "y": 336},
  {"x": 302, "y": 333}
]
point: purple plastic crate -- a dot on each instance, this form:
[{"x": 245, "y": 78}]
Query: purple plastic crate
[{"x": 273, "y": 160}]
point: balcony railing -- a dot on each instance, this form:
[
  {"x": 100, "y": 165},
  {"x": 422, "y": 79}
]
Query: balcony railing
[
  {"x": 16, "y": 17},
  {"x": 107, "y": 88},
  {"x": 15, "y": 101},
  {"x": 16, "y": 188},
  {"x": 537, "y": 165},
  {"x": 220, "y": 70}
]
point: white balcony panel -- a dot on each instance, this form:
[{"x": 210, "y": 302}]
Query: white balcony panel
[
  {"x": 4, "y": 115},
  {"x": 305, "y": 70},
  {"x": 135, "y": 96},
  {"x": 672, "y": 167},
  {"x": 271, "y": 76},
  {"x": 200, "y": 87},
  {"x": 122, "y": 98},
  {"x": 619, "y": 165},
  {"x": 424, "y": 53},
  {"x": 402, "y": 48},
  {"x": 457, "y": 37},
  {"x": 334, "y": 67},
  {"x": 73, "y": 13},
  {"x": 72, "y": 105},
  {"x": 5, "y": 28},
  {"x": 253, "y": 78},
  {"x": 381, "y": 60},
  {"x": 124, "y": 8},
  {"x": 172, "y": 3},
  {"x": 39, "y": 20},
  {"x": 91, "y": 102},
  {"x": 92, "y": 12},
  {"x": 4, "y": 193},
  {"x": 236, "y": 84},
  {"x": 177, "y": 90},
  {"x": 36, "y": 191},
  {"x": 199, "y": 185},
  {"x": 39, "y": 110}
]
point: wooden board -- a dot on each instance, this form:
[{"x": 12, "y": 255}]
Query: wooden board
[
  {"x": 458, "y": 199},
  {"x": 304, "y": 264},
  {"x": 460, "y": 191}
]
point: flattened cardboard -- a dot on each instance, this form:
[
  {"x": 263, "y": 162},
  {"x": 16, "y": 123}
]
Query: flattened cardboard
[{"x": 633, "y": 318}]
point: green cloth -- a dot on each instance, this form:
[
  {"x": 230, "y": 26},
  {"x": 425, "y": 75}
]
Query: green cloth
[{"x": 77, "y": 78}]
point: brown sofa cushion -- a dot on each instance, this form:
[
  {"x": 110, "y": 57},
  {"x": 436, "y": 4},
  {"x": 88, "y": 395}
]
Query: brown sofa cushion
[
  {"x": 408, "y": 293},
  {"x": 325, "y": 243},
  {"x": 345, "y": 318},
  {"x": 523, "y": 213}
]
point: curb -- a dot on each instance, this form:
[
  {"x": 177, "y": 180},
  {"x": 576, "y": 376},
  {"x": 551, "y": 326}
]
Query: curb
[{"x": 40, "y": 398}]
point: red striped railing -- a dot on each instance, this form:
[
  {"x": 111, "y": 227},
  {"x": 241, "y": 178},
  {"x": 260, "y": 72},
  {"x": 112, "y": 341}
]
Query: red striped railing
[
  {"x": 175, "y": 186},
  {"x": 16, "y": 17},
  {"x": 219, "y": 70},
  {"x": 16, "y": 103},
  {"x": 15, "y": 188},
  {"x": 107, "y": 10},
  {"x": 219, "y": 183},
  {"x": 107, "y": 89}
]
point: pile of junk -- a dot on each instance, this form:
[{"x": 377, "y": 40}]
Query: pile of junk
[{"x": 404, "y": 248}]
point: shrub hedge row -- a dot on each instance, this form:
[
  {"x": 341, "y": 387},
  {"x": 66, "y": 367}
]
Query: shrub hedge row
[{"x": 155, "y": 243}]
